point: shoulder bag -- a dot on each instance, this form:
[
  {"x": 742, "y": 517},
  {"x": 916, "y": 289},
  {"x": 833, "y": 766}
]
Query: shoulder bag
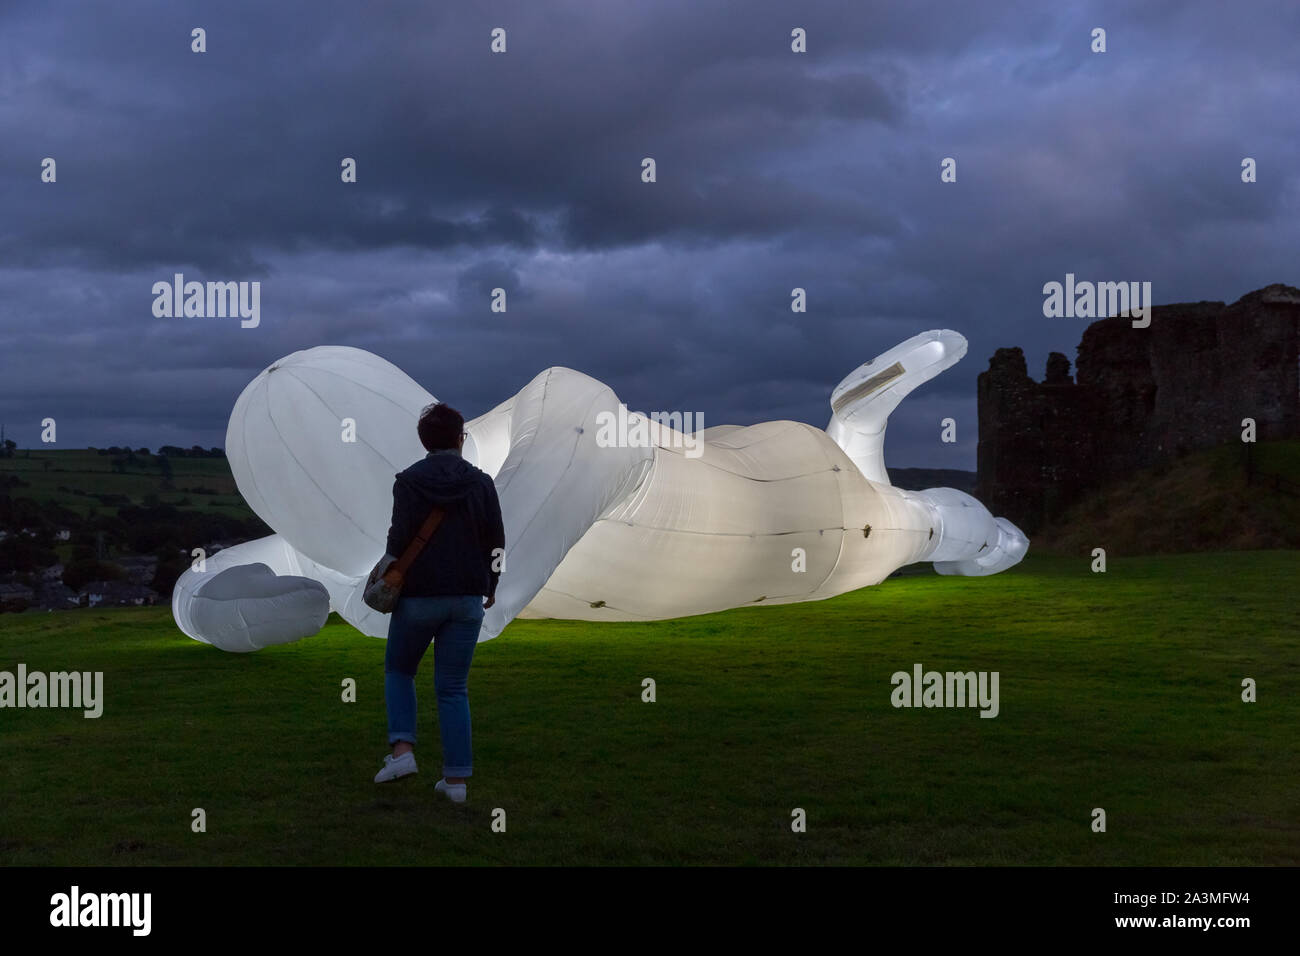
[{"x": 385, "y": 582}]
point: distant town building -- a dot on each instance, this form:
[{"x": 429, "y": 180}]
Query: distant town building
[
  {"x": 15, "y": 591},
  {"x": 116, "y": 594},
  {"x": 140, "y": 569},
  {"x": 56, "y": 596}
]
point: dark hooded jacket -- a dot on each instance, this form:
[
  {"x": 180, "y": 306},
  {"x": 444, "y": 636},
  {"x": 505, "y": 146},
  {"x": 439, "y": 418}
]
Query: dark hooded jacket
[{"x": 458, "y": 559}]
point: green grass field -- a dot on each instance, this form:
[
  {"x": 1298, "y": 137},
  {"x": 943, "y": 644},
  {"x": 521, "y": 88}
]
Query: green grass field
[{"x": 1118, "y": 690}]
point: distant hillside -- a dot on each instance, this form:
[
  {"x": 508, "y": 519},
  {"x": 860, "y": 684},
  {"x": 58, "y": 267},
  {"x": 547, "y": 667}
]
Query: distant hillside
[
  {"x": 1202, "y": 502},
  {"x": 83, "y": 480},
  {"x": 117, "y": 525},
  {"x": 918, "y": 479}
]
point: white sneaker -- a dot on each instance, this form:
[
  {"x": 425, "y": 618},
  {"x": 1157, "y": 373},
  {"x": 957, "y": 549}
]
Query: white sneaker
[
  {"x": 395, "y": 767},
  {"x": 455, "y": 792}
]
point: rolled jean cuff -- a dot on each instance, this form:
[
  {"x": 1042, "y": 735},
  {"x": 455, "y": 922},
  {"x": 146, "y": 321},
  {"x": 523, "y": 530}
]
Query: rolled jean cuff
[
  {"x": 458, "y": 771},
  {"x": 401, "y": 735}
]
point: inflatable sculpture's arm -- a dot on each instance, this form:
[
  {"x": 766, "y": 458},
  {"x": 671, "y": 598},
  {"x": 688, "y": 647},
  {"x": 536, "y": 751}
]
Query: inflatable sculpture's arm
[
  {"x": 968, "y": 540},
  {"x": 555, "y": 478},
  {"x": 250, "y": 596}
]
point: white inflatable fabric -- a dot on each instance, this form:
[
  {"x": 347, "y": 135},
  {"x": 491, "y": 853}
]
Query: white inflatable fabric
[{"x": 683, "y": 524}]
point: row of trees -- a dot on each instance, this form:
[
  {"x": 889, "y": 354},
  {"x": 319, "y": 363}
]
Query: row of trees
[
  {"x": 193, "y": 452},
  {"x": 171, "y": 451},
  {"x": 8, "y": 447}
]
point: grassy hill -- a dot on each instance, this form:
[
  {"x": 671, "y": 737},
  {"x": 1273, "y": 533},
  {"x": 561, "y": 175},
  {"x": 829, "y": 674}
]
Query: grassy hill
[
  {"x": 1202, "y": 502},
  {"x": 81, "y": 479},
  {"x": 1118, "y": 690}
]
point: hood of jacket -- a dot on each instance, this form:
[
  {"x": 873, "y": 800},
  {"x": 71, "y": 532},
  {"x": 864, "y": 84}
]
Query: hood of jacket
[{"x": 441, "y": 478}]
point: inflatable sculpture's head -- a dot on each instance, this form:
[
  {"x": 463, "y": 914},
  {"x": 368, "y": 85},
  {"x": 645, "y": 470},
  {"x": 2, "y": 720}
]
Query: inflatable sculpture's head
[{"x": 314, "y": 442}]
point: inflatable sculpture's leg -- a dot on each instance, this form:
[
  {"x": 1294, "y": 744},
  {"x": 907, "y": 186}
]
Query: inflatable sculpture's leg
[
  {"x": 967, "y": 540},
  {"x": 861, "y": 403},
  {"x": 250, "y": 596}
]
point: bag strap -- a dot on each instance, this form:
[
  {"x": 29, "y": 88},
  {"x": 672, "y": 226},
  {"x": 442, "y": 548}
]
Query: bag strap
[{"x": 419, "y": 541}]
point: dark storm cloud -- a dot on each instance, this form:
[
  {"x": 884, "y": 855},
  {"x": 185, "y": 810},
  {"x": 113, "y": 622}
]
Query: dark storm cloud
[{"x": 522, "y": 172}]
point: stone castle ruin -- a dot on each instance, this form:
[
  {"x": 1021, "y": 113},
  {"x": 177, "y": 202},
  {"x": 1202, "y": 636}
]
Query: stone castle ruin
[{"x": 1141, "y": 397}]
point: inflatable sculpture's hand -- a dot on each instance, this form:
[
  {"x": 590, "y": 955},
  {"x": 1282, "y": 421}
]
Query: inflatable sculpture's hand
[
  {"x": 239, "y": 602},
  {"x": 1006, "y": 550}
]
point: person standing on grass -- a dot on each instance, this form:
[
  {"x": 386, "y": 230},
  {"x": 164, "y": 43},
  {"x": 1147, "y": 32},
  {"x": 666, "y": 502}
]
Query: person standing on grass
[{"x": 442, "y": 596}]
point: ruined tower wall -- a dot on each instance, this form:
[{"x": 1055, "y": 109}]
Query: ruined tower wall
[{"x": 1142, "y": 396}]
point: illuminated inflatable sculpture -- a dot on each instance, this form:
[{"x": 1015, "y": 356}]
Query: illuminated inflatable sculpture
[{"x": 599, "y": 526}]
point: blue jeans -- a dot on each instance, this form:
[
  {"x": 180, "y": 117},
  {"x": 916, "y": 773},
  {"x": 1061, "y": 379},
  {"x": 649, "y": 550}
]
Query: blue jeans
[{"x": 452, "y": 623}]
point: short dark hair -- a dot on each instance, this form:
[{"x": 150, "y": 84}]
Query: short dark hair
[{"x": 440, "y": 426}]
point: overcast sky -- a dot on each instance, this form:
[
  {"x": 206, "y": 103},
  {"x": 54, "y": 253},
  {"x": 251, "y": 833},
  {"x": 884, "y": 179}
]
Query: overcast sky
[{"x": 523, "y": 170}]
